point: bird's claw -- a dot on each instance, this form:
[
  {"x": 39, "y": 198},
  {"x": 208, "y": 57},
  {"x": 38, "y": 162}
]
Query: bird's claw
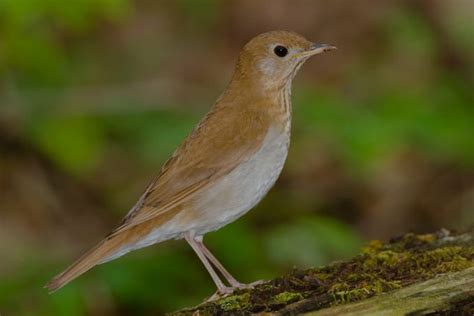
[
  {"x": 241, "y": 286},
  {"x": 220, "y": 293},
  {"x": 226, "y": 291}
]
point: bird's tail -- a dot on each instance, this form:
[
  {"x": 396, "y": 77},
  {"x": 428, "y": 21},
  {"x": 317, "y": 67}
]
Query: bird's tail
[{"x": 106, "y": 250}]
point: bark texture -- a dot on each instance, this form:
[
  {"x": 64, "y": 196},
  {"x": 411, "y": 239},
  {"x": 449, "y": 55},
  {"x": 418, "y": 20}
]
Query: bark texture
[{"x": 410, "y": 275}]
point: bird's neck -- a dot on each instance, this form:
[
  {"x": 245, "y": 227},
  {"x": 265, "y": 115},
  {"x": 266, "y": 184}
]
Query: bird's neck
[
  {"x": 283, "y": 98},
  {"x": 274, "y": 98}
]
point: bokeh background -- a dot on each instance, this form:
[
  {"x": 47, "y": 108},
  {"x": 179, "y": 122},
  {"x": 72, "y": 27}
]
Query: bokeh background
[{"x": 96, "y": 94}]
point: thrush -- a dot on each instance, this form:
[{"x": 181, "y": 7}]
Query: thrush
[{"x": 224, "y": 167}]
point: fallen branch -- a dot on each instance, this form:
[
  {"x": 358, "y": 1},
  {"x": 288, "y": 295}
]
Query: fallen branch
[{"x": 430, "y": 272}]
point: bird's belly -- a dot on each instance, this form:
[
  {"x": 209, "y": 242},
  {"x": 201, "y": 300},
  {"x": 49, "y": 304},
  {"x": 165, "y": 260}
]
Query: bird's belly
[
  {"x": 235, "y": 194},
  {"x": 229, "y": 198}
]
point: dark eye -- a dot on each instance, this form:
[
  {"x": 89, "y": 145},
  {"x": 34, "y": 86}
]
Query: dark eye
[{"x": 280, "y": 51}]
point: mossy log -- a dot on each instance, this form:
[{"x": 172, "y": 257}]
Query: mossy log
[{"x": 414, "y": 274}]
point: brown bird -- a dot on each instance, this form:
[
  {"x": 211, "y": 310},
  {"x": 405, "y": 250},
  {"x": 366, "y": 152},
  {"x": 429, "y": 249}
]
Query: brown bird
[{"x": 223, "y": 168}]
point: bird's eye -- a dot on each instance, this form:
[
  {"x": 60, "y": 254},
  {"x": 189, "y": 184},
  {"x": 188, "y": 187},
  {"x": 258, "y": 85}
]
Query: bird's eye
[{"x": 280, "y": 51}]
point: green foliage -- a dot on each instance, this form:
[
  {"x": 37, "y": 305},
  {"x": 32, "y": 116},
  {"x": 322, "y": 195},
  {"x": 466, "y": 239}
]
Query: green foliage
[
  {"x": 33, "y": 34},
  {"x": 152, "y": 135},
  {"x": 74, "y": 143},
  {"x": 203, "y": 13},
  {"x": 436, "y": 121},
  {"x": 324, "y": 240}
]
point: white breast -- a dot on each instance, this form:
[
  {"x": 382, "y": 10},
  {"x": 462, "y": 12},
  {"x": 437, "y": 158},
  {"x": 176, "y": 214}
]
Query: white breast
[
  {"x": 235, "y": 194},
  {"x": 229, "y": 198}
]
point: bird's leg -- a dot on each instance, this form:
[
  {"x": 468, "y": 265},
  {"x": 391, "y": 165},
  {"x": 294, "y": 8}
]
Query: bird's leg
[
  {"x": 221, "y": 288},
  {"x": 232, "y": 281}
]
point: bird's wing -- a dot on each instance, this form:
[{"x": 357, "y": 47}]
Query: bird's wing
[{"x": 208, "y": 153}]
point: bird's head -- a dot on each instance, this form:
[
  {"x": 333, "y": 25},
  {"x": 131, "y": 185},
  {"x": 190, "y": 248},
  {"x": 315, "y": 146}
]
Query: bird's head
[{"x": 271, "y": 60}]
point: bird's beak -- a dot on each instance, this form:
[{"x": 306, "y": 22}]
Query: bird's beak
[
  {"x": 316, "y": 49},
  {"x": 320, "y": 48}
]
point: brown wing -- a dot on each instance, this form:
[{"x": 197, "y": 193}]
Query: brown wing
[
  {"x": 214, "y": 148},
  {"x": 209, "y": 152}
]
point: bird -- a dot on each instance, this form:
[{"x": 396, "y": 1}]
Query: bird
[{"x": 223, "y": 168}]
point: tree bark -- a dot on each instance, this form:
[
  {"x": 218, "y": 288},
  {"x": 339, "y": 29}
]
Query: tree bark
[
  {"x": 449, "y": 292},
  {"x": 413, "y": 274}
]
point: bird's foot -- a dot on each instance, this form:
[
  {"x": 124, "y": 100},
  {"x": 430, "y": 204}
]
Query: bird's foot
[
  {"x": 241, "y": 286},
  {"x": 220, "y": 293},
  {"x": 226, "y": 291}
]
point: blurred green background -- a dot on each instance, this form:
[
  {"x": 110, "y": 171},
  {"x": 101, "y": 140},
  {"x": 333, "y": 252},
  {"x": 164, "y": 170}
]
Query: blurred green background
[{"x": 96, "y": 94}]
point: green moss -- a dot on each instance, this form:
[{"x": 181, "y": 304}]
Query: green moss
[
  {"x": 429, "y": 238},
  {"x": 345, "y": 292},
  {"x": 342, "y": 292},
  {"x": 372, "y": 247},
  {"x": 322, "y": 276},
  {"x": 287, "y": 298},
  {"x": 379, "y": 268},
  {"x": 235, "y": 302}
]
